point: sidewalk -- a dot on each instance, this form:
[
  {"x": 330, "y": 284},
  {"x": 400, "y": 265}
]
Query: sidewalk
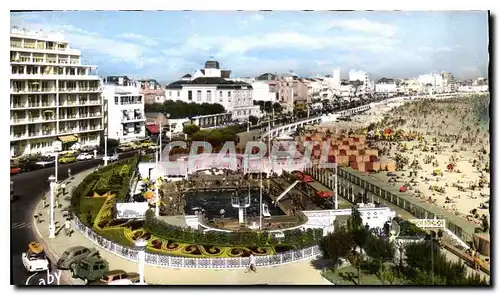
[{"x": 295, "y": 273}]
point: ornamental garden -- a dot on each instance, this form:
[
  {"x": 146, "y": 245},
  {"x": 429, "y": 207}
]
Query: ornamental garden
[{"x": 93, "y": 203}]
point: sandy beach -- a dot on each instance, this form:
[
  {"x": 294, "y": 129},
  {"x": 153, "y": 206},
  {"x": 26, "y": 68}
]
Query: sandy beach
[{"x": 442, "y": 147}]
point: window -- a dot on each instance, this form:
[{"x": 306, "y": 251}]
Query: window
[
  {"x": 190, "y": 95},
  {"x": 116, "y": 100},
  {"x": 220, "y": 93},
  {"x": 178, "y": 93},
  {"x": 198, "y": 95},
  {"x": 229, "y": 93},
  {"x": 170, "y": 93},
  {"x": 77, "y": 253},
  {"x": 209, "y": 95}
]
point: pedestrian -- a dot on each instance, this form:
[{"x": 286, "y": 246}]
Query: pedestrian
[
  {"x": 56, "y": 203},
  {"x": 44, "y": 201},
  {"x": 69, "y": 172},
  {"x": 222, "y": 212},
  {"x": 67, "y": 227},
  {"x": 63, "y": 188},
  {"x": 251, "y": 265}
]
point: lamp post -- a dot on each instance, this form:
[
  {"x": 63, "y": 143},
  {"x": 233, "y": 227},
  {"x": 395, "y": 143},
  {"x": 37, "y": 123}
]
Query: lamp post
[
  {"x": 106, "y": 134},
  {"x": 52, "y": 227},
  {"x": 55, "y": 165},
  {"x": 141, "y": 245},
  {"x": 157, "y": 197}
]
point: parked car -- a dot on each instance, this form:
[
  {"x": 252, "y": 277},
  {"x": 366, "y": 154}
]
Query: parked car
[
  {"x": 34, "y": 259},
  {"x": 84, "y": 156},
  {"x": 112, "y": 157},
  {"x": 14, "y": 170},
  {"x": 118, "y": 277},
  {"x": 89, "y": 269},
  {"x": 66, "y": 159},
  {"x": 74, "y": 255},
  {"x": 28, "y": 166},
  {"x": 45, "y": 163}
]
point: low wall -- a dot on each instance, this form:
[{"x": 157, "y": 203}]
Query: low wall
[{"x": 199, "y": 263}]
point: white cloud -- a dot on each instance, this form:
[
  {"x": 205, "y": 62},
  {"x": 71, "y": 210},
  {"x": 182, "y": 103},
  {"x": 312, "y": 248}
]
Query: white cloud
[
  {"x": 225, "y": 46},
  {"x": 366, "y": 26},
  {"x": 146, "y": 40},
  {"x": 245, "y": 22},
  {"x": 117, "y": 50}
]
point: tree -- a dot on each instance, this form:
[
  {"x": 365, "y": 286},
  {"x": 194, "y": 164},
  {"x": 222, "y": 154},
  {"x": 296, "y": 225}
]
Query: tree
[
  {"x": 253, "y": 120},
  {"x": 180, "y": 110},
  {"x": 379, "y": 249},
  {"x": 277, "y": 107},
  {"x": 112, "y": 144},
  {"x": 190, "y": 129},
  {"x": 336, "y": 245}
]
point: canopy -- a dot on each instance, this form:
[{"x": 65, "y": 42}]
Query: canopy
[
  {"x": 307, "y": 178},
  {"x": 68, "y": 138},
  {"x": 324, "y": 194},
  {"x": 153, "y": 128}
]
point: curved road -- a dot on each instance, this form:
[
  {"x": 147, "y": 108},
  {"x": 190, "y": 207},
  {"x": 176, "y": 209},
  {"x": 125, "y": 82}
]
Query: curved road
[{"x": 28, "y": 189}]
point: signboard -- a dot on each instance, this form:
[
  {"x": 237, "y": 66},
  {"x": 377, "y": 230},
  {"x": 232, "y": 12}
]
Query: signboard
[
  {"x": 45, "y": 278},
  {"x": 131, "y": 210}
]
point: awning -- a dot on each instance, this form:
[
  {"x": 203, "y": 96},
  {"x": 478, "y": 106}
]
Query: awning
[
  {"x": 153, "y": 128},
  {"x": 68, "y": 138}
]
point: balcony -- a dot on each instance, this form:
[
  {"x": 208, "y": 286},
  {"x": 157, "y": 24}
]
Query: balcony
[
  {"x": 38, "y": 59},
  {"x": 19, "y": 121},
  {"x": 29, "y": 45},
  {"x": 16, "y": 44},
  {"x": 33, "y": 90}
]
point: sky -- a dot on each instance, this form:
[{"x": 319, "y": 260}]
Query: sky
[{"x": 164, "y": 45}]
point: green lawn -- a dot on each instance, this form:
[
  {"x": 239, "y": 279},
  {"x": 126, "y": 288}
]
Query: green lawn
[
  {"x": 92, "y": 206},
  {"x": 341, "y": 277}
]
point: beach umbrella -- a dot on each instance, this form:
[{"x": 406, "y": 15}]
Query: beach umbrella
[{"x": 148, "y": 195}]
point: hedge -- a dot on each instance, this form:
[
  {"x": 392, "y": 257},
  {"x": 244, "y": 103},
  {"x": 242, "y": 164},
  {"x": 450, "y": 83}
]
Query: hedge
[
  {"x": 295, "y": 238},
  {"x": 113, "y": 172}
]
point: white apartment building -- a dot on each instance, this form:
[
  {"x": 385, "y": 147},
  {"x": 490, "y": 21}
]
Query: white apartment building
[
  {"x": 355, "y": 75},
  {"x": 125, "y": 109},
  {"x": 432, "y": 82},
  {"x": 262, "y": 92},
  {"x": 55, "y": 100},
  {"x": 386, "y": 86},
  {"x": 212, "y": 85}
]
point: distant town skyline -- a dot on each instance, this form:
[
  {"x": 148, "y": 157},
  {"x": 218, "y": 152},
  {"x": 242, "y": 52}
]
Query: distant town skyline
[{"x": 164, "y": 45}]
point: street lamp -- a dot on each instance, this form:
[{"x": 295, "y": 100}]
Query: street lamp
[
  {"x": 141, "y": 246},
  {"x": 52, "y": 227}
]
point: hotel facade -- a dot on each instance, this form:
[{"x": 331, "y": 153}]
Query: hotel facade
[
  {"x": 55, "y": 100},
  {"x": 212, "y": 85}
]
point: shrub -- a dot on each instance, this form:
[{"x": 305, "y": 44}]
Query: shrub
[{"x": 161, "y": 229}]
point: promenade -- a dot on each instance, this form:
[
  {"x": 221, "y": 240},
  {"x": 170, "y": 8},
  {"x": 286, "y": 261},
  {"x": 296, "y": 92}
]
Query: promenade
[{"x": 299, "y": 273}]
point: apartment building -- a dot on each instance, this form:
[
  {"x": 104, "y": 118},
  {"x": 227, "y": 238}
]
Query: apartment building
[
  {"x": 212, "y": 85},
  {"x": 55, "y": 100},
  {"x": 386, "y": 87},
  {"x": 152, "y": 91},
  {"x": 125, "y": 109}
]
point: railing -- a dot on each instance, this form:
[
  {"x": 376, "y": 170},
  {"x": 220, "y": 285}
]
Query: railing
[{"x": 200, "y": 263}]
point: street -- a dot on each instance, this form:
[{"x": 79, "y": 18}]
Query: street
[{"x": 28, "y": 189}]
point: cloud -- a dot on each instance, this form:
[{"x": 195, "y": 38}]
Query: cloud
[
  {"x": 225, "y": 46},
  {"x": 245, "y": 22},
  {"x": 365, "y": 26},
  {"x": 115, "y": 50},
  {"x": 141, "y": 38}
]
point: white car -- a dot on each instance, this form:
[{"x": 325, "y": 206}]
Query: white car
[
  {"x": 84, "y": 156},
  {"x": 35, "y": 262},
  {"x": 121, "y": 282},
  {"x": 111, "y": 157}
]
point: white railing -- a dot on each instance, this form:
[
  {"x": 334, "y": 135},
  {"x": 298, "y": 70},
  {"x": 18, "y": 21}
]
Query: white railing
[
  {"x": 201, "y": 263},
  {"x": 429, "y": 223}
]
